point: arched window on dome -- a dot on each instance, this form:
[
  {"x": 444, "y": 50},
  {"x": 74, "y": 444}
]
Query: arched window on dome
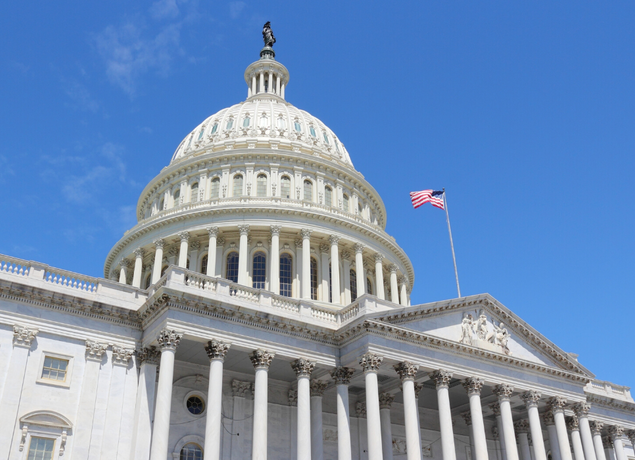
[
  {"x": 204, "y": 265},
  {"x": 190, "y": 141},
  {"x": 161, "y": 204},
  {"x": 286, "y": 278},
  {"x": 285, "y": 187},
  {"x": 237, "y": 190},
  {"x": 308, "y": 190},
  {"x": 215, "y": 190},
  {"x": 194, "y": 193},
  {"x": 314, "y": 278},
  {"x": 298, "y": 126},
  {"x": 246, "y": 122},
  {"x": 312, "y": 131},
  {"x": 345, "y": 204},
  {"x": 326, "y": 138},
  {"x": 177, "y": 197},
  {"x": 328, "y": 196},
  {"x": 369, "y": 286},
  {"x": 359, "y": 208},
  {"x": 200, "y": 134},
  {"x": 330, "y": 285},
  {"x": 259, "y": 270},
  {"x": 264, "y": 122},
  {"x": 281, "y": 123},
  {"x": 337, "y": 146},
  {"x": 231, "y": 269},
  {"x": 353, "y": 285},
  {"x": 261, "y": 185},
  {"x": 214, "y": 128},
  {"x": 230, "y": 124},
  {"x": 191, "y": 451}
]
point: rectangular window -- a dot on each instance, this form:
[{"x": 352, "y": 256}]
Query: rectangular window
[
  {"x": 298, "y": 127},
  {"x": 214, "y": 128},
  {"x": 54, "y": 369},
  {"x": 230, "y": 123},
  {"x": 41, "y": 448}
]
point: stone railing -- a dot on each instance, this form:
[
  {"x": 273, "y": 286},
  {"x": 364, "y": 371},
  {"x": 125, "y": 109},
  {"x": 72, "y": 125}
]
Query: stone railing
[
  {"x": 608, "y": 389},
  {"x": 46, "y": 277}
]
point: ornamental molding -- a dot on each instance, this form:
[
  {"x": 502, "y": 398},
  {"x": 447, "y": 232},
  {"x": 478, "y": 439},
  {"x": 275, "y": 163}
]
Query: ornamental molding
[
  {"x": 242, "y": 389},
  {"x": 581, "y": 409},
  {"x": 169, "y": 339},
  {"x": 385, "y": 400},
  {"x": 342, "y": 375},
  {"x": 531, "y": 398},
  {"x": 616, "y": 432},
  {"x": 406, "y": 370},
  {"x": 548, "y": 419},
  {"x": 360, "y": 409},
  {"x": 121, "y": 356},
  {"x": 557, "y": 403},
  {"x": 95, "y": 350},
  {"x": 216, "y": 349},
  {"x": 261, "y": 359},
  {"x": 503, "y": 391},
  {"x": 573, "y": 424},
  {"x": 441, "y": 378},
  {"x": 302, "y": 367},
  {"x": 370, "y": 362},
  {"x": 293, "y": 397},
  {"x": 521, "y": 426},
  {"x": 467, "y": 417},
  {"x": 149, "y": 355},
  {"x": 473, "y": 385},
  {"x": 23, "y": 336},
  {"x": 318, "y": 387},
  {"x": 603, "y": 401}
]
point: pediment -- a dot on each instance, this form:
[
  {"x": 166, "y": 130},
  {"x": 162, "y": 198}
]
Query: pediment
[{"x": 483, "y": 322}]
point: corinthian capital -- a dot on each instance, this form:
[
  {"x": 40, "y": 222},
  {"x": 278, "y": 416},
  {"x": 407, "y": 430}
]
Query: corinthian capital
[
  {"x": 573, "y": 424},
  {"x": 159, "y": 243},
  {"x": 334, "y": 240},
  {"x": 496, "y": 408},
  {"x": 370, "y": 362},
  {"x": 303, "y": 367},
  {"x": 406, "y": 370},
  {"x": 121, "y": 355},
  {"x": 261, "y": 359},
  {"x": 503, "y": 391},
  {"x": 138, "y": 253},
  {"x": 243, "y": 230},
  {"x": 557, "y": 403},
  {"x": 149, "y": 355},
  {"x": 547, "y": 417},
  {"x": 467, "y": 416},
  {"x": 342, "y": 375},
  {"x": 318, "y": 387},
  {"x": 393, "y": 268},
  {"x": 616, "y": 432},
  {"x": 441, "y": 378},
  {"x": 378, "y": 257},
  {"x": 212, "y": 232},
  {"x": 358, "y": 248},
  {"x": 23, "y": 336},
  {"x": 385, "y": 400},
  {"x": 275, "y": 230},
  {"x": 184, "y": 236},
  {"x": 306, "y": 233},
  {"x": 95, "y": 350},
  {"x": 531, "y": 398},
  {"x": 418, "y": 388},
  {"x": 521, "y": 426},
  {"x": 216, "y": 349},
  {"x": 169, "y": 339},
  {"x": 581, "y": 409},
  {"x": 473, "y": 385}
]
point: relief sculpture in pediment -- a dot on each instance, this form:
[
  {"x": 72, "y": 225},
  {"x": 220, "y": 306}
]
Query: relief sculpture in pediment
[{"x": 476, "y": 332}]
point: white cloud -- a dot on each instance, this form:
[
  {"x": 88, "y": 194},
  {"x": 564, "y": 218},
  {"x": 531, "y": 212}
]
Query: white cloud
[{"x": 235, "y": 8}]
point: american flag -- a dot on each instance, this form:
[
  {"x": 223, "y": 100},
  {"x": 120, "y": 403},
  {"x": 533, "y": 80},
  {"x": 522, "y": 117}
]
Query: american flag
[{"x": 434, "y": 197}]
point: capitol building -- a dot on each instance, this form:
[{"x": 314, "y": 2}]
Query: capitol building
[{"x": 259, "y": 310}]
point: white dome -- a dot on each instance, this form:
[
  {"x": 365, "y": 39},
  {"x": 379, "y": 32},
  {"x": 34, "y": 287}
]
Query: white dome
[{"x": 263, "y": 120}]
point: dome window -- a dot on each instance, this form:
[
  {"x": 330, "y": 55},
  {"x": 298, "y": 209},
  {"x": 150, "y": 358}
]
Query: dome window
[
  {"x": 312, "y": 131},
  {"x": 263, "y": 120},
  {"x": 246, "y": 122},
  {"x": 286, "y": 263},
  {"x": 326, "y": 138},
  {"x": 314, "y": 279},
  {"x": 328, "y": 196},
  {"x": 200, "y": 134},
  {"x": 161, "y": 204},
  {"x": 231, "y": 271},
  {"x": 238, "y": 185},
  {"x": 177, "y": 197},
  {"x": 194, "y": 193},
  {"x": 345, "y": 203},
  {"x": 261, "y": 185},
  {"x": 308, "y": 190},
  {"x": 298, "y": 126},
  {"x": 214, "y": 128},
  {"x": 259, "y": 271},
  {"x": 359, "y": 208},
  {"x": 190, "y": 141},
  {"x": 285, "y": 187},
  {"x": 369, "y": 286},
  {"x": 281, "y": 123},
  {"x": 353, "y": 285},
  {"x": 215, "y": 187},
  {"x": 337, "y": 146},
  {"x": 230, "y": 123}
]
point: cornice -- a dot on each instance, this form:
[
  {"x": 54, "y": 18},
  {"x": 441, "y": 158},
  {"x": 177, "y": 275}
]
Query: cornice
[{"x": 610, "y": 403}]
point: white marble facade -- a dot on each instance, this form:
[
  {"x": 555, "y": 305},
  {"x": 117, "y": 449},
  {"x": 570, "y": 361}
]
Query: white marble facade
[{"x": 259, "y": 310}]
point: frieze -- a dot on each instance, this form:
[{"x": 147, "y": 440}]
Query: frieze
[{"x": 476, "y": 332}]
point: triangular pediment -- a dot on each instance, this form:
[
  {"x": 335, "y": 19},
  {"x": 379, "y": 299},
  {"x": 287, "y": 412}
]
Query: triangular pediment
[{"x": 482, "y": 322}]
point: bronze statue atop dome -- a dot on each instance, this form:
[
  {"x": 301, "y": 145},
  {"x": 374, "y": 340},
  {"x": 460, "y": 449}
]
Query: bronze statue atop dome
[{"x": 267, "y": 34}]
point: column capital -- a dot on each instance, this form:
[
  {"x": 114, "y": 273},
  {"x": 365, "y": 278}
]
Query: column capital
[
  {"x": 473, "y": 385},
  {"x": 139, "y": 253},
  {"x": 318, "y": 387},
  {"x": 183, "y": 236},
  {"x": 124, "y": 263},
  {"x": 393, "y": 268},
  {"x": 495, "y": 432},
  {"x": 582, "y": 409},
  {"x": 631, "y": 436},
  {"x": 242, "y": 389},
  {"x": 370, "y": 362},
  {"x": 616, "y": 432},
  {"x": 418, "y": 388},
  {"x": 149, "y": 355},
  {"x": 169, "y": 339},
  {"x": 441, "y": 378},
  {"x": 378, "y": 257},
  {"x": 243, "y": 229},
  {"x": 298, "y": 243},
  {"x": 334, "y": 240},
  {"x": 385, "y": 400},
  {"x": 467, "y": 417},
  {"x": 557, "y": 403},
  {"x": 220, "y": 242},
  {"x": 406, "y": 370},
  {"x": 195, "y": 245},
  {"x": 216, "y": 349},
  {"x": 159, "y": 243},
  {"x": 275, "y": 230},
  {"x": 531, "y": 398},
  {"x": 324, "y": 248},
  {"x": 212, "y": 231},
  {"x": 503, "y": 391},
  {"x": 303, "y": 367},
  {"x": 358, "y": 248},
  {"x": 306, "y": 233},
  {"x": 121, "y": 356},
  {"x": 345, "y": 255},
  {"x": 261, "y": 359},
  {"x": 342, "y": 375},
  {"x": 496, "y": 408},
  {"x": 360, "y": 409},
  {"x": 95, "y": 350},
  {"x": 572, "y": 424},
  {"x": 293, "y": 397},
  {"x": 547, "y": 417},
  {"x": 606, "y": 442},
  {"x": 23, "y": 336},
  {"x": 521, "y": 426}
]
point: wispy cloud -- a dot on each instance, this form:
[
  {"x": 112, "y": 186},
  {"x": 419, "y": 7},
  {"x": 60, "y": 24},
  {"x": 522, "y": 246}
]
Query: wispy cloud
[
  {"x": 80, "y": 96},
  {"x": 235, "y": 8},
  {"x": 163, "y": 9}
]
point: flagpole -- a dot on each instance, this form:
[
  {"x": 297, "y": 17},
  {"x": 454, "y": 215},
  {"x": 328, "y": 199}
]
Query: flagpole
[{"x": 447, "y": 215}]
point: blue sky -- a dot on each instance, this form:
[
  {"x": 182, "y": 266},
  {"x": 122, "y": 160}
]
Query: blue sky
[{"x": 523, "y": 111}]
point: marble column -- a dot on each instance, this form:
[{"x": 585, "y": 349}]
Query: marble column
[
  {"x": 504, "y": 393},
  {"x": 403, "y": 291},
  {"x": 407, "y": 372},
  {"x": 306, "y": 263},
  {"x": 442, "y": 380},
  {"x": 553, "y": 434},
  {"x": 576, "y": 441},
  {"x": 558, "y": 404},
  {"x": 324, "y": 264},
  {"x": 596, "y": 430},
  {"x": 385, "y": 402},
  {"x": 317, "y": 432},
  {"x": 417, "y": 389},
  {"x": 158, "y": 260},
  {"x": 216, "y": 351},
  {"x": 335, "y": 269},
  {"x": 261, "y": 360},
  {"x": 496, "y": 409},
  {"x": 148, "y": 358},
  {"x": 123, "y": 271},
  {"x": 303, "y": 369},
  {"x": 274, "y": 270},
  {"x": 582, "y": 412},
  {"x": 210, "y": 270},
  {"x": 521, "y": 427},
  {"x": 467, "y": 417},
  {"x": 370, "y": 363},
  {"x": 497, "y": 442},
  {"x": 531, "y": 399},
  {"x": 631, "y": 438},
  {"x": 243, "y": 255},
  {"x": 616, "y": 433},
  {"x": 185, "y": 237},
  {"x": 609, "y": 452},
  {"x": 138, "y": 267},
  {"x": 394, "y": 287},
  {"x": 379, "y": 276},
  {"x": 168, "y": 342},
  {"x": 359, "y": 269},
  {"x": 342, "y": 377},
  {"x": 473, "y": 387}
]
